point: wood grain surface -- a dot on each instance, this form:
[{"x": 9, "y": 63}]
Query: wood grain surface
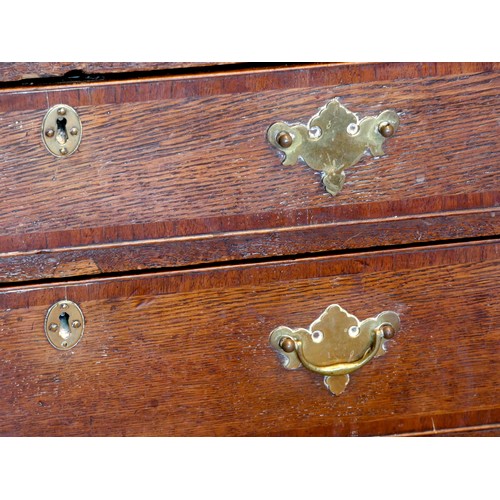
[
  {"x": 243, "y": 245},
  {"x": 187, "y": 156},
  {"x": 13, "y": 71},
  {"x": 187, "y": 352},
  {"x": 472, "y": 431}
]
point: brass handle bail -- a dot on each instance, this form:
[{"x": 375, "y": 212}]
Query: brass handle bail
[{"x": 336, "y": 344}]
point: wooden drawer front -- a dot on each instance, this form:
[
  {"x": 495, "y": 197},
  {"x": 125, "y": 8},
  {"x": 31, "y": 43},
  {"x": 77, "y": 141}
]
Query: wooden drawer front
[
  {"x": 175, "y": 159},
  {"x": 31, "y": 70},
  {"x": 187, "y": 352}
]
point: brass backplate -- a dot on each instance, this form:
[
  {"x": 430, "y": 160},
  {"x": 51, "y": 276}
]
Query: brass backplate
[
  {"x": 64, "y": 325},
  {"x": 336, "y": 344},
  {"x": 61, "y": 130},
  {"x": 333, "y": 140}
]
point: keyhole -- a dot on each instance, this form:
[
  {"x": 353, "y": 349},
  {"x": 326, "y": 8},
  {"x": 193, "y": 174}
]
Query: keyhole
[
  {"x": 62, "y": 135},
  {"x": 64, "y": 330}
]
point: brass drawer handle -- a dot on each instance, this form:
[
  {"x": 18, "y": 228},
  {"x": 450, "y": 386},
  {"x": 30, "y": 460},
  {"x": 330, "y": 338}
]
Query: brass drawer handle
[
  {"x": 336, "y": 344},
  {"x": 333, "y": 140}
]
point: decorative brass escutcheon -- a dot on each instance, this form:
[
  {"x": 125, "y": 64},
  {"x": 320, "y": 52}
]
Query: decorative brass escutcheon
[
  {"x": 61, "y": 130},
  {"x": 336, "y": 344},
  {"x": 64, "y": 324},
  {"x": 333, "y": 140}
]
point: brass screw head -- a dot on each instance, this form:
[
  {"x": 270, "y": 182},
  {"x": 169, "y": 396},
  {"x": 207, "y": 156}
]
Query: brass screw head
[
  {"x": 386, "y": 129},
  {"x": 63, "y": 151},
  {"x": 76, "y": 324},
  {"x": 61, "y": 111},
  {"x": 284, "y": 139},
  {"x": 64, "y": 305},
  {"x": 73, "y": 131},
  {"x": 287, "y": 344},
  {"x": 53, "y": 327},
  {"x": 49, "y": 132},
  {"x": 388, "y": 331}
]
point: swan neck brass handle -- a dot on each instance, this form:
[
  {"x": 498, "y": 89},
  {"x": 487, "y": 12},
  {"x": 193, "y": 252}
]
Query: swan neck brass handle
[{"x": 336, "y": 344}]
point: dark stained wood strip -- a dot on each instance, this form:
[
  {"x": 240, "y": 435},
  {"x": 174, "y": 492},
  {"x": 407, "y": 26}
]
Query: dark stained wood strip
[
  {"x": 476, "y": 422},
  {"x": 219, "y": 83},
  {"x": 204, "y": 249},
  {"x": 375, "y": 212},
  {"x": 471, "y": 431},
  {"x": 187, "y": 352},
  {"x": 12, "y": 71}
]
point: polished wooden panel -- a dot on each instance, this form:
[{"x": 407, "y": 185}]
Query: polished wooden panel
[
  {"x": 187, "y": 156},
  {"x": 187, "y": 352}
]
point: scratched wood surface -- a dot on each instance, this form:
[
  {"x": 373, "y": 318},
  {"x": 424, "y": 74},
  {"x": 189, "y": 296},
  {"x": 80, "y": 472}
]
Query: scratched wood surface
[
  {"x": 472, "y": 431},
  {"x": 187, "y": 157},
  {"x": 187, "y": 352}
]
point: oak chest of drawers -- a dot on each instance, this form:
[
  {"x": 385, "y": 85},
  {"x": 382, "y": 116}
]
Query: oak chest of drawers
[{"x": 184, "y": 241}]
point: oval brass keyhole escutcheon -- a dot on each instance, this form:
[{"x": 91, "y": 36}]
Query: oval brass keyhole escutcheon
[
  {"x": 61, "y": 130},
  {"x": 64, "y": 324}
]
